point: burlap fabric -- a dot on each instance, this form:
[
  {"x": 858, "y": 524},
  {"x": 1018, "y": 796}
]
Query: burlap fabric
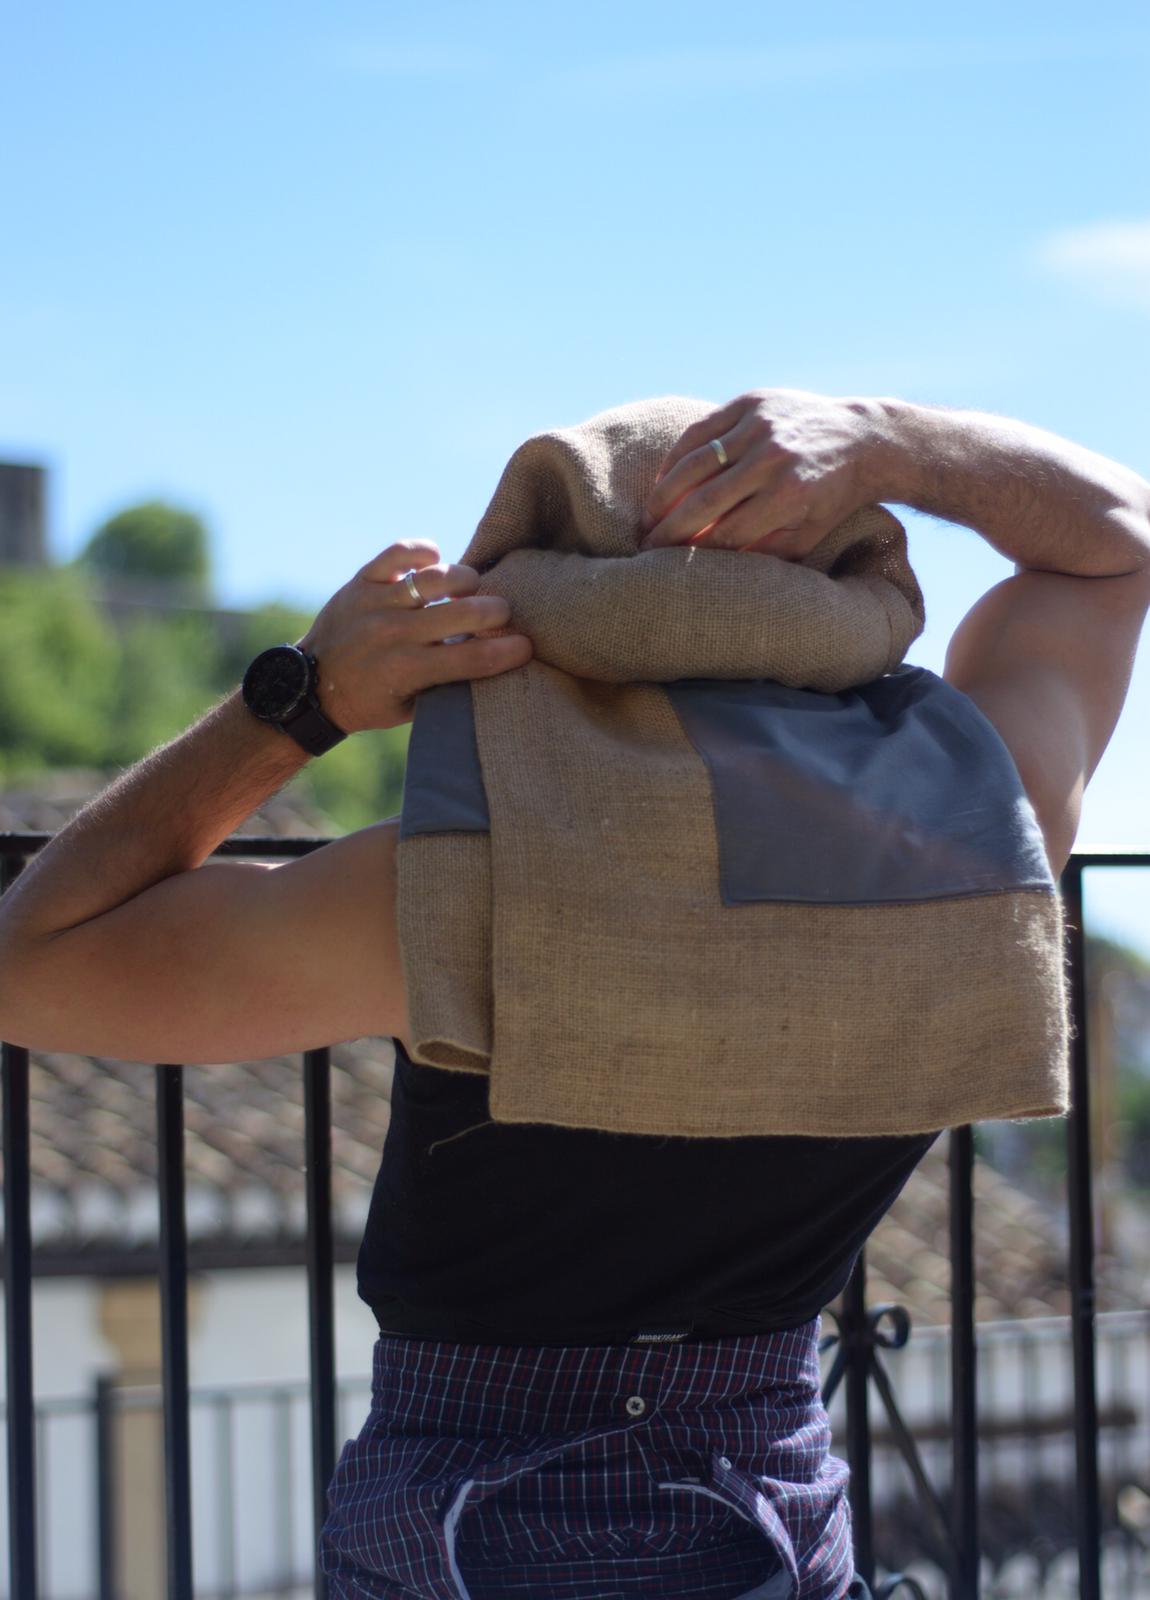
[{"x": 579, "y": 951}]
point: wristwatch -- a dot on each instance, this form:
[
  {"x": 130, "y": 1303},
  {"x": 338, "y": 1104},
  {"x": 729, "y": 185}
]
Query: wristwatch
[{"x": 279, "y": 687}]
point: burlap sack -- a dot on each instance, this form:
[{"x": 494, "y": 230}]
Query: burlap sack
[{"x": 573, "y": 925}]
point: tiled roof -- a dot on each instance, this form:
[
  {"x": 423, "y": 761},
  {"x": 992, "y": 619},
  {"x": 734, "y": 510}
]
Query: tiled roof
[
  {"x": 1020, "y": 1250},
  {"x": 94, "y": 1146},
  {"x": 57, "y": 796}
]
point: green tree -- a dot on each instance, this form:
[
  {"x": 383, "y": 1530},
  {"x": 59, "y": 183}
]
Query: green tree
[
  {"x": 78, "y": 691},
  {"x": 154, "y": 541},
  {"x": 58, "y": 666},
  {"x": 168, "y": 674},
  {"x": 361, "y": 780}
]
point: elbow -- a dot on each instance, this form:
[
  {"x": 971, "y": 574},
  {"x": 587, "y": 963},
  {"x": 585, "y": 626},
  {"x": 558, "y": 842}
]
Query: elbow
[
  {"x": 1142, "y": 498},
  {"x": 1123, "y": 544},
  {"x": 21, "y": 1002},
  {"x": 12, "y": 1031},
  {"x": 1130, "y": 519},
  {"x": 10, "y": 987}
]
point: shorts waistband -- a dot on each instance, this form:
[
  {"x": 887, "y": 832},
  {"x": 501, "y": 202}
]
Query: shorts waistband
[{"x": 410, "y": 1324}]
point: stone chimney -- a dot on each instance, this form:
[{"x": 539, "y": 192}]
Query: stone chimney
[{"x": 22, "y": 512}]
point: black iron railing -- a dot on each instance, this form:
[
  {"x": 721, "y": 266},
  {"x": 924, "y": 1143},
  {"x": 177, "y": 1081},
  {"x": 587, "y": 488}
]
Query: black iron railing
[{"x": 861, "y": 1332}]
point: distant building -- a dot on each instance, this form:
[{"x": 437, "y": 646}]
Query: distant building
[
  {"x": 23, "y": 498},
  {"x": 123, "y": 600}
]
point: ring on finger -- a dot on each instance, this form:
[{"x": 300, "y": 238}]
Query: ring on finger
[
  {"x": 408, "y": 578},
  {"x": 719, "y": 449}
]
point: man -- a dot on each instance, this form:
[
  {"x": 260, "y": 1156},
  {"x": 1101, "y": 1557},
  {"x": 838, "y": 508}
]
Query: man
[{"x": 119, "y": 941}]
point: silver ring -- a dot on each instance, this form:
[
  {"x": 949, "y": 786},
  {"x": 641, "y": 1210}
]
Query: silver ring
[
  {"x": 717, "y": 446},
  {"x": 408, "y": 577}
]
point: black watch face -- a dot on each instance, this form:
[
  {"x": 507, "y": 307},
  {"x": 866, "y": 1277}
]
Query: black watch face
[{"x": 276, "y": 682}]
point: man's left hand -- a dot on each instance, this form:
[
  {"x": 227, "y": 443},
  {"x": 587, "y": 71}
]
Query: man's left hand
[{"x": 376, "y": 648}]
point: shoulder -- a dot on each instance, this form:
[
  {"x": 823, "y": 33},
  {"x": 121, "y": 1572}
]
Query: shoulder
[{"x": 1048, "y": 659}]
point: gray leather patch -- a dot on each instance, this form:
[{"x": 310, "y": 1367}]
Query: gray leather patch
[
  {"x": 900, "y": 789},
  {"x": 443, "y": 788}
]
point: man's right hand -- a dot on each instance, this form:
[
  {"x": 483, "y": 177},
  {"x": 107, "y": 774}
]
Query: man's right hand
[{"x": 797, "y": 465}]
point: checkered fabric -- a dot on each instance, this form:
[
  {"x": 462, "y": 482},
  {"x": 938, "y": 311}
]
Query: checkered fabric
[{"x": 683, "y": 1471}]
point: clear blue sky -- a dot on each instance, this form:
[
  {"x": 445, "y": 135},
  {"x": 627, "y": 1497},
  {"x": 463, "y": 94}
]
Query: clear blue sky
[{"x": 317, "y": 270}]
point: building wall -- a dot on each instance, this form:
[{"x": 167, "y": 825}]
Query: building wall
[{"x": 247, "y": 1328}]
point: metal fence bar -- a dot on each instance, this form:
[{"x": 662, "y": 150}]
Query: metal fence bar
[
  {"x": 856, "y": 1352},
  {"x": 43, "y": 1501},
  {"x": 104, "y": 1419},
  {"x": 225, "y": 1497},
  {"x": 282, "y": 1493},
  {"x": 174, "y": 1329},
  {"x": 320, "y": 1285},
  {"x": 22, "y": 1566},
  {"x": 1081, "y": 1207},
  {"x": 963, "y": 1370}
]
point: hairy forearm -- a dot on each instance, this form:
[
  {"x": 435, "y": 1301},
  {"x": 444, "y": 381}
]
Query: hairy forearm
[
  {"x": 1043, "y": 502},
  {"x": 165, "y": 815}
]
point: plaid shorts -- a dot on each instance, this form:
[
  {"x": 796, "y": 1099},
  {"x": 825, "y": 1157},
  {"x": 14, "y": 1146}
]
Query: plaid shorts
[{"x": 688, "y": 1471}]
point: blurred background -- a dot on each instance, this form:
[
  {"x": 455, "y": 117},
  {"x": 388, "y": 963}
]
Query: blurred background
[{"x": 280, "y": 284}]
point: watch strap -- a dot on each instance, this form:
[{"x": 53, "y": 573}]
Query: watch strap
[{"x": 312, "y": 730}]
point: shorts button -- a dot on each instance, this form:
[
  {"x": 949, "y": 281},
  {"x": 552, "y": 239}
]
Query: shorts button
[
  {"x": 725, "y": 1461},
  {"x": 636, "y": 1405}
]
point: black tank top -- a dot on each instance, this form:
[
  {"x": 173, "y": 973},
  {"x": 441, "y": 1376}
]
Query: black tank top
[{"x": 483, "y": 1232}]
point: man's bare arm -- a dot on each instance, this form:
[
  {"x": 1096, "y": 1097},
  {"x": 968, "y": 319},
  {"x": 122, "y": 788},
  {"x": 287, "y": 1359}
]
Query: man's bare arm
[
  {"x": 117, "y": 939},
  {"x": 164, "y": 816},
  {"x": 1047, "y": 654},
  {"x": 1045, "y": 503},
  {"x": 235, "y": 961},
  {"x": 798, "y": 464}
]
